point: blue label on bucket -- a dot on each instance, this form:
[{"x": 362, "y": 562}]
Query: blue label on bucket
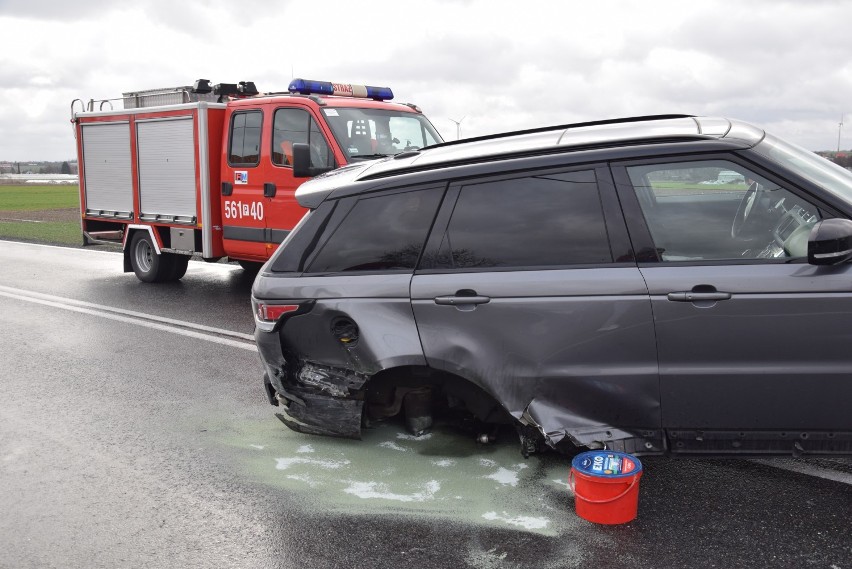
[{"x": 609, "y": 464}]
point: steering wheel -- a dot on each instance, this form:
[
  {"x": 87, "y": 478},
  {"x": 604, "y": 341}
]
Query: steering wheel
[{"x": 745, "y": 211}]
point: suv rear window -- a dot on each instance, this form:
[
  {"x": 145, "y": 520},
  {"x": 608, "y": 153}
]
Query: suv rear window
[
  {"x": 381, "y": 233},
  {"x": 534, "y": 221}
]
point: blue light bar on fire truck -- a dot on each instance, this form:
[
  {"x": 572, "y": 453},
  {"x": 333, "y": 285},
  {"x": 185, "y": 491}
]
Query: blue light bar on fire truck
[{"x": 308, "y": 87}]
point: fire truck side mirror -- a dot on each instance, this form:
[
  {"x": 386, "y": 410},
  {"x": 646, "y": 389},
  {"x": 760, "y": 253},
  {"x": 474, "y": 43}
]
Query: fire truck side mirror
[{"x": 302, "y": 162}]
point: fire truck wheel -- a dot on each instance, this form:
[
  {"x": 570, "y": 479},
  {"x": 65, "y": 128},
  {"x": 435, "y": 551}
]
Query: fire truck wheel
[
  {"x": 148, "y": 266},
  {"x": 180, "y": 263},
  {"x": 250, "y": 266}
]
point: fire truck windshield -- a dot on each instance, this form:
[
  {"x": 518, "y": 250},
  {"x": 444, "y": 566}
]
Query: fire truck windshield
[{"x": 364, "y": 134}]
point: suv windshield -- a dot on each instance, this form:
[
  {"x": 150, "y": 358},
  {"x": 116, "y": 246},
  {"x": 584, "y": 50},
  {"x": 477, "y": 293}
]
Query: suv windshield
[
  {"x": 373, "y": 133},
  {"x": 823, "y": 172}
]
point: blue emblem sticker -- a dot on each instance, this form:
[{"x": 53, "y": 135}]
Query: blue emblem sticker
[{"x": 605, "y": 463}]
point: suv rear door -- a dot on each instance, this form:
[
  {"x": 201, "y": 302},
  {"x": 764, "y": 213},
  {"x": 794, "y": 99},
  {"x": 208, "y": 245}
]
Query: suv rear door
[{"x": 528, "y": 288}]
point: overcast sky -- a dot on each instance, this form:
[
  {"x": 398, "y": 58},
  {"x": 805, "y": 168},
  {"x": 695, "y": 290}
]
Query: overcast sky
[{"x": 502, "y": 65}]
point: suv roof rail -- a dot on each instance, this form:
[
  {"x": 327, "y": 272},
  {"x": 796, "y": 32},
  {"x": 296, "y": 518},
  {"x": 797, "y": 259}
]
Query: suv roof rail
[{"x": 560, "y": 127}]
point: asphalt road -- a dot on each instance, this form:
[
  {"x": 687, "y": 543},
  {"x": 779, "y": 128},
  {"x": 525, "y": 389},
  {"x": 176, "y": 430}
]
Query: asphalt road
[{"x": 134, "y": 432}]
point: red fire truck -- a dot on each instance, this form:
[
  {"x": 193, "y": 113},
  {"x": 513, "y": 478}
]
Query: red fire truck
[{"x": 212, "y": 170}]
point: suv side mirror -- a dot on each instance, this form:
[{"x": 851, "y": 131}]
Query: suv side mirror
[
  {"x": 830, "y": 242},
  {"x": 302, "y": 162}
]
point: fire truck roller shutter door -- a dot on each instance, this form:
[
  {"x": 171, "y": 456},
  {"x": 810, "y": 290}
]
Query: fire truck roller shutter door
[
  {"x": 166, "y": 151},
  {"x": 107, "y": 171}
]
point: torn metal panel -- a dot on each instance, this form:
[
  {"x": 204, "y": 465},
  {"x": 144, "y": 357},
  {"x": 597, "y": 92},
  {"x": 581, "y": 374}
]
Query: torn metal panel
[
  {"x": 332, "y": 381},
  {"x": 318, "y": 363},
  {"x": 321, "y": 400},
  {"x": 576, "y": 347},
  {"x": 321, "y": 415},
  {"x": 558, "y": 425},
  {"x": 365, "y": 335}
]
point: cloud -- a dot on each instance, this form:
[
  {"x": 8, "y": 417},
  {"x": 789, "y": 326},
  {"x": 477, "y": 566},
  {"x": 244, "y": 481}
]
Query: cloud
[{"x": 503, "y": 66}]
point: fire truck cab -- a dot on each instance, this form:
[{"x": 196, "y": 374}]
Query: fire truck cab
[{"x": 216, "y": 177}]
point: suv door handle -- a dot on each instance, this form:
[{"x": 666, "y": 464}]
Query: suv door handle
[
  {"x": 461, "y": 300},
  {"x": 269, "y": 190},
  {"x": 698, "y": 296}
]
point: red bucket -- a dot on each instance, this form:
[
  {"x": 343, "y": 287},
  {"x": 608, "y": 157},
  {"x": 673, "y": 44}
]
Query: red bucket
[{"x": 606, "y": 486}]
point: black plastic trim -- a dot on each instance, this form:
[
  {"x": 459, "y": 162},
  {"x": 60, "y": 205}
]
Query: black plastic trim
[
  {"x": 254, "y": 234},
  {"x": 257, "y": 234}
]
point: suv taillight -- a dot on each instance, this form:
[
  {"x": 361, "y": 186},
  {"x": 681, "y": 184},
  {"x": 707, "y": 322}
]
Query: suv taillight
[
  {"x": 266, "y": 314},
  {"x": 272, "y": 312}
]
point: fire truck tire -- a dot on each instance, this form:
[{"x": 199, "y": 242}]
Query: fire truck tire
[
  {"x": 250, "y": 266},
  {"x": 180, "y": 263},
  {"x": 148, "y": 266}
]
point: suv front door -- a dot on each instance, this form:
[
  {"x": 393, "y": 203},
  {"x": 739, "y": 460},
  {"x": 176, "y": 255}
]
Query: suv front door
[
  {"x": 518, "y": 291},
  {"x": 750, "y": 336}
]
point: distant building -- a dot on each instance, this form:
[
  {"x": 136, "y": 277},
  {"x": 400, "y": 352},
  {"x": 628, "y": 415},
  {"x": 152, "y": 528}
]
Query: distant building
[{"x": 31, "y": 178}]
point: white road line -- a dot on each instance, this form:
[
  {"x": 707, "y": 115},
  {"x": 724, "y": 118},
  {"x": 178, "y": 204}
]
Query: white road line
[
  {"x": 210, "y": 266},
  {"x": 40, "y": 245},
  {"x": 131, "y": 313},
  {"x": 147, "y": 323},
  {"x": 808, "y": 469}
]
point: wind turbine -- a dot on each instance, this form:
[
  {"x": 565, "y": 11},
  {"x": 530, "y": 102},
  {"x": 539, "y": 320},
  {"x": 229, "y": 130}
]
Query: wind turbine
[{"x": 458, "y": 126}]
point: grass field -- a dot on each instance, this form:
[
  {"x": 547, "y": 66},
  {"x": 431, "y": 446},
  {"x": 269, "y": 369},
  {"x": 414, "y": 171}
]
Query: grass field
[
  {"x": 30, "y": 198},
  {"x": 43, "y": 214},
  {"x": 55, "y": 232}
]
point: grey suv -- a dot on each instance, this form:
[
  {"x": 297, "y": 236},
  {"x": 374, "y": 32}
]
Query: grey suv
[{"x": 657, "y": 284}]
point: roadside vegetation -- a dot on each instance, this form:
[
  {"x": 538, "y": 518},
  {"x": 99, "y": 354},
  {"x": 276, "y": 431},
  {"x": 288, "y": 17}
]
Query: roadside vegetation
[{"x": 43, "y": 214}]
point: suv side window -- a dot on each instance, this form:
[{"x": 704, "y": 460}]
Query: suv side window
[
  {"x": 380, "y": 233},
  {"x": 297, "y": 125},
  {"x": 553, "y": 219},
  {"x": 716, "y": 209},
  {"x": 244, "y": 148}
]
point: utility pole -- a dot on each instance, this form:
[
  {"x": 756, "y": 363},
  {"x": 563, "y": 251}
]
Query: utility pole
[
  {"x": 839, "y": 130},
  {"x": 458, "y": 126}
]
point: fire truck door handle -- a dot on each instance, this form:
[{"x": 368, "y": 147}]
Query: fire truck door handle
[
  {"x": 227, "y": 188},
  {"x": 269, "y": 190}
]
